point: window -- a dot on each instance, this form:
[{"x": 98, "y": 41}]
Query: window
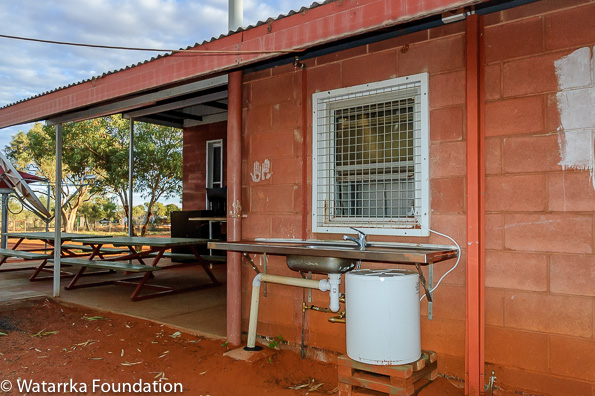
[
  {"x": 370, "y": 158},
  {"x": 214, "y": 165}
]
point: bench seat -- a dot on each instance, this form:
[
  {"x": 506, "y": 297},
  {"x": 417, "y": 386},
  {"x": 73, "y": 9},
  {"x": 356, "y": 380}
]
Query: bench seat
[
  {"x": 84, "y": 248},
  {"x": 113, "y": 265},
  {"x": 108, "y": 250},
  {"x": 24, "y": 254},
  {"x": 103, "y": 250}
]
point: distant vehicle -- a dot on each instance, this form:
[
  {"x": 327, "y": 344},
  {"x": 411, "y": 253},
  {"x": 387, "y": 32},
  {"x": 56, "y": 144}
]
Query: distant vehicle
[{"x": 106, "y": 221}]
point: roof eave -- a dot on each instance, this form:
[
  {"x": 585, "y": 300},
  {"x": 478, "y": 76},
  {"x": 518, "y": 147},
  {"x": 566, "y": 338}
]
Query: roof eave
[{"x": 312, "y": 27}]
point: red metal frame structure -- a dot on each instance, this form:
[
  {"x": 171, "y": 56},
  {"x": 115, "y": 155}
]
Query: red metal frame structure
[{"x": 475, "y": 294}]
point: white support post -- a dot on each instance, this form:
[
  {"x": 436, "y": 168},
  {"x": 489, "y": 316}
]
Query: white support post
[
  {"x": 130, "y": 174},
  {"x": 58, "y": 211},
  {"x": 4, "y": 240}
]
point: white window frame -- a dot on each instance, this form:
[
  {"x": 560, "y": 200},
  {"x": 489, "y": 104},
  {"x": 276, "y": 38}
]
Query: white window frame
[
  {"x": 210, "y": 168},
  {"x": 323, "y": 101}
]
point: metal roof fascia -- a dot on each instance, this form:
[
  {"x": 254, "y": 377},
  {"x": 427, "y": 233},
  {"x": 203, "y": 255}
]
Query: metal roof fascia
[
  {"x": 315, "y": 26},
  {"x": 139, "y": 101}
]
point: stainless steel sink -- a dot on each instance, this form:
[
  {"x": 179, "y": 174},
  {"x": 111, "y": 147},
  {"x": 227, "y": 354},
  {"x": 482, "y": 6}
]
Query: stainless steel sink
[
  {"x": 320, "y": 265},
  {"x": 400, "y": 253},
  {"x": 330, "y": 246}
]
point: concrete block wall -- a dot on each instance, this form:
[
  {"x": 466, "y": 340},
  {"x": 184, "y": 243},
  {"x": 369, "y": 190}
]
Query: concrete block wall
[
  {"x": 540, "y": 262},
  {"x": 540, "y": 268},
  {"x": 195, "y": 162},
  {"x": 274, "y": 132}
]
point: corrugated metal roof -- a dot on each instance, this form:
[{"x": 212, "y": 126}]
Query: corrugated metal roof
[{"x": 302, "y": 10}]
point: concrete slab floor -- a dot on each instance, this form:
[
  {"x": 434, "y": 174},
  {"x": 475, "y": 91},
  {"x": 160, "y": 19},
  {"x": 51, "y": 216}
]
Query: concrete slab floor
[{"x": 200, "y": 311}]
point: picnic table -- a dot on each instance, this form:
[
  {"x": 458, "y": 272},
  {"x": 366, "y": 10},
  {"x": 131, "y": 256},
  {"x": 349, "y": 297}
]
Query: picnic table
[
  {"x": 157, "y": 248},
  {"x": 44, "y": 254}
]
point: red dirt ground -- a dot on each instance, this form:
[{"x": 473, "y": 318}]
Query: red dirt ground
[{"x": 45, "y": 341}]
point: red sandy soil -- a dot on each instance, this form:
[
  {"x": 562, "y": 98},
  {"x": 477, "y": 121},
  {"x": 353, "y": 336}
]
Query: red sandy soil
[{"x": 44, "y": 341}]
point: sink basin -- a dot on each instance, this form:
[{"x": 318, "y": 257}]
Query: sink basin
[
  {"x": 319, "y": 264},
  {"x": 327, "y": 257},
  {"x": 330, "y": 246}
]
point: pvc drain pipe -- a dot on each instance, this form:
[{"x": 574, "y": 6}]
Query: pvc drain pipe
[{"x": 331, "y": 285}]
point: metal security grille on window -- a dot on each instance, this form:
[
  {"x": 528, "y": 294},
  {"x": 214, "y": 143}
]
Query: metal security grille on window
[{"x": 368, "y": 158}]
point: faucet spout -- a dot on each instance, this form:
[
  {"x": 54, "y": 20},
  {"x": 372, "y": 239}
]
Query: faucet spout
[
  {"x": 360, "y": 240},
  {"x": 352, "y": 239}
]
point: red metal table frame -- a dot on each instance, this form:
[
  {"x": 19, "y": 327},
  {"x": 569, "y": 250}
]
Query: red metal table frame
[{"x": 157, "y": 247}]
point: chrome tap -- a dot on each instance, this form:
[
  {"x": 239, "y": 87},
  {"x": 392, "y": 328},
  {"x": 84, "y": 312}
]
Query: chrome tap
[{"x": 360, "y": 240}]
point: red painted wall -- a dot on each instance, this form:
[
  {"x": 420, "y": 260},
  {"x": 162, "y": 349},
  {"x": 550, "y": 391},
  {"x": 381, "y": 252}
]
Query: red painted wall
[
  {"x": 539, "y": 221},
  {"x": 194, "y": 177},
  {"x": 274, "y": 131},
  {"x": 540, "y": 262}
]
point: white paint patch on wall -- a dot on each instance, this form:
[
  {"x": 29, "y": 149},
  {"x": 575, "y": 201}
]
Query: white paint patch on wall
[{"x": 576, "y": 105}]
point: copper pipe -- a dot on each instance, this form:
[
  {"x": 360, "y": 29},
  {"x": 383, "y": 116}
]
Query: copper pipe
[
  {"x": 306, "y": 307},
  {"x": 338, "y": 319}
]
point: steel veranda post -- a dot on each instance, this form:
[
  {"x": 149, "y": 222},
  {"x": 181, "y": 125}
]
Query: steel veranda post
[
  {"x": 303, "y": 77},
  {"x": 234, "y": 206},
  {"x": 130, "y": 177},
  {"x": 474, "y": 331},
  {"x": 57, "y": 211}
]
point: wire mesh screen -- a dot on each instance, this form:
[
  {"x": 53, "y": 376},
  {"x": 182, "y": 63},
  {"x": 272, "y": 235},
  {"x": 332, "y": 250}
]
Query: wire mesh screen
[{"x": 368, "y": 150}]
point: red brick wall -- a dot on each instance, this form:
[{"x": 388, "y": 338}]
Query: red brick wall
[
  {"x": 194, "y": 173},
  {"x": 539, "y": 221}
]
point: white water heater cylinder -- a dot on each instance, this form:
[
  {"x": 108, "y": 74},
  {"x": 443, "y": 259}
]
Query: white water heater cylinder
[{"x": 382, "y": 316}]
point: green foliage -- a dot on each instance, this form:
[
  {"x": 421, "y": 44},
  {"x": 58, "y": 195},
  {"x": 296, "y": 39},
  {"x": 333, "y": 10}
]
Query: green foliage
[
  {"x": 35, "y": 151},
  {"x": 138, "y": 211},
  {"x": 91, "y": 211},
  {"x": 171, "y": 208},
  {"x": 97, "y": 209},
  {"x": 101, "y": 147},
  {"x": 276, "y": 341}
]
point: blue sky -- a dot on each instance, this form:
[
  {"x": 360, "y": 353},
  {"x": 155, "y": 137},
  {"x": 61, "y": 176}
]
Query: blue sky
[{"x": 29, "y": 68}]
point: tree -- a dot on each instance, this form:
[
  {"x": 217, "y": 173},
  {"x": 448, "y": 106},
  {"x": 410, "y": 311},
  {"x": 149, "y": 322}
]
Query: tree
[
  {"x": 138, "y": 214},
  {"x": 110, "y": 210},
  {"x": 91, "y": 212},
  {"x": 100, "y": 147},
  {"x": 108, "y": 145},
  {"x": 160, "y": 164},
  {"x": 159, "y": 212},
  {"x": 157, "y": 161},
  {"x": 170, "y": 208},
  {"x": 36, "y": 150}
]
